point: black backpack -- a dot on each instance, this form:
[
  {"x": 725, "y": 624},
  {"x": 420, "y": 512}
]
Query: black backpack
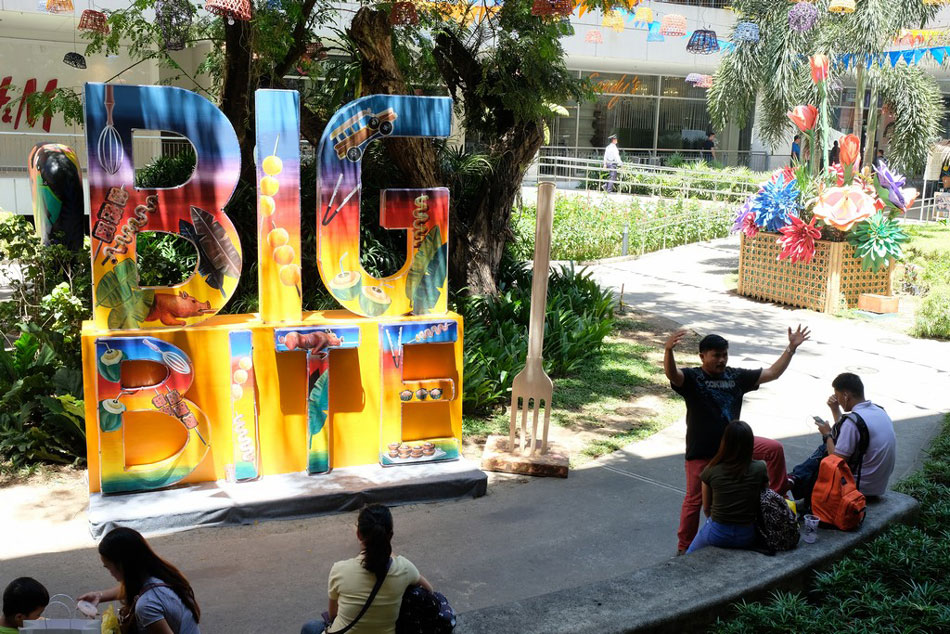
[
  {"x": 424, "y": 612},
  {"x": 776, "y": 526}
]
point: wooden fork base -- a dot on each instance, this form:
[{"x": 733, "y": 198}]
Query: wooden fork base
[{"x": 496, "y": 457}]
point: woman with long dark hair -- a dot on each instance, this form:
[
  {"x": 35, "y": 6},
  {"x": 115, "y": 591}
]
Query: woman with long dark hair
[
  {"x": 732, "y": 484},
  {"x": 153, "y": 592},
  {"x": 352, "y": 581}
]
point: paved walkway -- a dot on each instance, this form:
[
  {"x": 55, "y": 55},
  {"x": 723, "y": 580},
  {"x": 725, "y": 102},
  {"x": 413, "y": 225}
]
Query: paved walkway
[{"x": 613, "y": 516}]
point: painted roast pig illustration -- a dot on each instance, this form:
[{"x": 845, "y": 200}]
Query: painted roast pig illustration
[
  {"x": 172, "y": 309},
  {"x": 313, "y": 341}
]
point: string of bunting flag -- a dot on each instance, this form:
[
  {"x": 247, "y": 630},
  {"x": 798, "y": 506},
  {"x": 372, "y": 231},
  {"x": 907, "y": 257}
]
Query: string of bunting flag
[{"x": 939, "y": 54}]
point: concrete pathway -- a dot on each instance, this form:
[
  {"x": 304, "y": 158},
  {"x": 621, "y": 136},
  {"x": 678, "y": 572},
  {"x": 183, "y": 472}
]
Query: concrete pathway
[{"x": 613, "y": 516}]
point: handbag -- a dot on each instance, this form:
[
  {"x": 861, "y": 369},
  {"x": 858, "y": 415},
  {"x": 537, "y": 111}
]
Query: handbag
[
  {"x": 372, "y": 595},
  {"x": 126, "y": 616},
  {"x": 70, "y": 625},
  {"x": 424, "y": 612}
]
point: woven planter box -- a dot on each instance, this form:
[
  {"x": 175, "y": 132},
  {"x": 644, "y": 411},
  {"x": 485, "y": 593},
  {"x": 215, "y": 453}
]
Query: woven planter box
[{"x": 833, "y": 279}]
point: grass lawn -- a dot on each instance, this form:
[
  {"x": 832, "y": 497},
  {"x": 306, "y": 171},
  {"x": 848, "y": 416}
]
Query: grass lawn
[{"x": 611, "y": 401}]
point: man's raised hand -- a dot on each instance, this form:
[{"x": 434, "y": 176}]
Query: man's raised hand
[
  {"x": 798, "y": 337},
  {"x": 676, "y": 337}
]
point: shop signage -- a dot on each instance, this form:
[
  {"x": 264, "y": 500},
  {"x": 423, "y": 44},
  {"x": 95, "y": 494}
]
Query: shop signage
[
  {"x": 6, "y": 112},
  {"x": 618, "y": 87}
]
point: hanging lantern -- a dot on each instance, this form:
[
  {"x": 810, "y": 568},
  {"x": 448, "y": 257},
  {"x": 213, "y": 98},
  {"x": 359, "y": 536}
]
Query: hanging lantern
[
  {"x": 563, "y": 8},
  {"x": 644, "y": 14},
  {"x": 594, "y": 36},
  {"x": 703, "y": 42},
  {"x": 841, "y": 6},
  {"x": 403, "y": 13},
  {"x": 75, "y": 60},
  {"x": 61, "y": 6},
  {"x": 802, "y": 17},
  {"x": 655, "y": 35},
  {"x": 230, "y": 9},
  {"x": 613, "y": 20},
  {"x": 174, "y": 21},
  {"x": 692, "y": 78},
  {"x": 94, "y": 21},
  {"x": 673, "y": 25},
  {"x": 542, "y": 8},
  {"x": 746, "y": 31},
  {"x": 704, "y": 81}
]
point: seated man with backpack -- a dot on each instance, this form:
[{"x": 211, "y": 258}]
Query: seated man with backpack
[{"x": 863, "y": 437}]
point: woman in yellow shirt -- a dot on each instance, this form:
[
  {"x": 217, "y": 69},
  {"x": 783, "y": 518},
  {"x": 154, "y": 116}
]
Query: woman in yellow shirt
[{"x": 352, "y": 581}]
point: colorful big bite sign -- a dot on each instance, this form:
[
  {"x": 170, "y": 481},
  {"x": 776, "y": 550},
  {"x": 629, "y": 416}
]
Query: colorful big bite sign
[{"x": 178, "y": 393}]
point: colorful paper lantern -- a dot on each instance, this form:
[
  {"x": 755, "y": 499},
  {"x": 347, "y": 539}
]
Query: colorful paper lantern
[
  {"x": 692, "y": 78},
  {"x": 802, "y": 17},
  {"x": 60, "y": 6},
  {"x": 746, "y": 31},
  {"x": 94, "y": 21},
  {"x": 703, "y": 42},
  {"x": 75, "y": 60},
  {"x": 705, "y": 81},
  {"x": 403, "y": 13},
  {"x": 673, "y": 25},
  {"x": 841, "y": 6},
  {"x": 230, "y": 9},
  {"x": 655, "y": 35},
  {"x": 643, "y": 14},
  {"x": 613, "y": 20},
  {"x": 174, "y": 21},
  {"x": 563, "y": 8},
  {"x": 594, "y": 36}
]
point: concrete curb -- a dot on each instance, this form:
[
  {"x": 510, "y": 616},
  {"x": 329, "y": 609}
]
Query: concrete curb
[{"x": 685, "y": 593}]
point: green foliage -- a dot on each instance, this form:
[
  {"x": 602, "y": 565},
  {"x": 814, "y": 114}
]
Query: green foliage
[
  {"x": 933, "y": 315},
  {"x": 896, "y": 583},
  {"x": 587, "y": 230},
  {"x": 926, "y": 271},
  {"x": 695, "y": 179},
  {"x": 579, "y": 315},
  {"x": 41, "y": 419}
]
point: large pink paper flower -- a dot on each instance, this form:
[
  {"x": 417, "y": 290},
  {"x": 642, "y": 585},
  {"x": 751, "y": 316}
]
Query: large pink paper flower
[
  {"x": 841, "y": 207},
  {"x": 798, "y": 240},
  {"x": 746, "y": 224}
]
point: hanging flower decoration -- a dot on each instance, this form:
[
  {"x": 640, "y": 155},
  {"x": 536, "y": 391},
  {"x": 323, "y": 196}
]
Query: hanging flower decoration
[
  {"x": 802, "y": 17},
  {"x": 878, "y": 241},
  {"x": 804, "y": 117},
  {"x": 775, "y": 204},
  {"x": 798, "y": 240},
  {"x": 819, "y": 67},
  {"x": 842, "y": 207}
]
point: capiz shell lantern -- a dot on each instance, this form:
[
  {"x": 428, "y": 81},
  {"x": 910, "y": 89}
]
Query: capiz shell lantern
[
  {"x": 841, "y": 6},
  {"x": 673, "y": 25},
  {"x": 230, "y": 9},
  {"x": 94, "y": 21}
]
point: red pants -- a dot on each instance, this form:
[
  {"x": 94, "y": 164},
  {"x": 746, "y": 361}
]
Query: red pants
[{"x": 765, "y": 449}]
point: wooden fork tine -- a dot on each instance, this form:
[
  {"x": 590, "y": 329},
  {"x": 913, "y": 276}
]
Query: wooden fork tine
[
  {"x": 524, "y": 420},
  {"x": 547, "y": 423},
  {"x": 534, "y": 431}
]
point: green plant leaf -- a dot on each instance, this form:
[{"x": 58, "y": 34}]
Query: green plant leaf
[
  {"x": 428, "y": 250},
  {"x": 318, "y": 403}
]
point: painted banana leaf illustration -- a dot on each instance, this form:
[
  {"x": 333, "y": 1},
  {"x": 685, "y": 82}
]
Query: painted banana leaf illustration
[
  {"x": 217, "y": 255},
  {"x": 318, "y": 404},
  {"x": 427, "y": 273},
  {"x": 119, "y": 291}
]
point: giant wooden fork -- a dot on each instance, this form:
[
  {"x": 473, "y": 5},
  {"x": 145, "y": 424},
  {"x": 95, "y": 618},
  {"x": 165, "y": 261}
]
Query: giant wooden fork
[{"x": 532, "y": 386}]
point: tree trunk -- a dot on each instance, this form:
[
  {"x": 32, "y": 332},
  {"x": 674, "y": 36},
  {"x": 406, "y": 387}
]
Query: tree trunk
[
  {"x": 873, "y": 118},
  {"x": 860, "y": 87},
  {"x": 237, "y": 92}
]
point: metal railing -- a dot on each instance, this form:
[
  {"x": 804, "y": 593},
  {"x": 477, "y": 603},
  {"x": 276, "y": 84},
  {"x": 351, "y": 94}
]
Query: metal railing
[
  {"x": 754, "y": 160},
  {"x": 642, "y": 179}
]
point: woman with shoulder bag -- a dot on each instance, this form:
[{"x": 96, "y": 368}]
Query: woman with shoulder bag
[
  {"x": 732, "y": 485},
  {"x": 366, "y": 591},
  {"x": 156, "y": 597}
]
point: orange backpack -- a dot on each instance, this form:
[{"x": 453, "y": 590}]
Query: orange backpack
[{"x": 835, "y": 498}]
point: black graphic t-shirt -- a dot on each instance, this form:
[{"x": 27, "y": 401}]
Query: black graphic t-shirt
[{"x": 711, "y": 403}]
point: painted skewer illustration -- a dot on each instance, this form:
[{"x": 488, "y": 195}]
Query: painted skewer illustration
[
  {"x": 392, "y": 348},
  {"x": 336, "y": 188},
  {"x": 110, "y": 143},
  {"x": 327, "y": 220},
  {"x": 399, "y": 345}
]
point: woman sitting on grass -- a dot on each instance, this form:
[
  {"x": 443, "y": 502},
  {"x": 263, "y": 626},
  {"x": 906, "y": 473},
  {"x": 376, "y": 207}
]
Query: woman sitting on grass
[{"x": 732, "y": 484}]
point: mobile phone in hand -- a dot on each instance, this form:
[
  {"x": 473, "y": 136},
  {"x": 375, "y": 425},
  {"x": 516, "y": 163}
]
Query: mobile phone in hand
[{"x": 819, "y": 421}]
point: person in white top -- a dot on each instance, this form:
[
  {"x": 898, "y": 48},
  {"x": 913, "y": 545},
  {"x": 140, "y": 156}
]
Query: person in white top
[{"x": 612, "y": 162}]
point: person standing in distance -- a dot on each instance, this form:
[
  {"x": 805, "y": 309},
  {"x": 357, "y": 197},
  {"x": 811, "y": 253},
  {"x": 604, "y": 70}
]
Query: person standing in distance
[
  {"x": 709, "y": 148},
  {"x": 713, "y": 393},
  {"x": 612, "y": 161},
  {"x": 796, "y": 149}
]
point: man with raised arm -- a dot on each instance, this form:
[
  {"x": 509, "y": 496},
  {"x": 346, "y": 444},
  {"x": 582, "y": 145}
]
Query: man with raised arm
[{"x": 713, "y": 393}]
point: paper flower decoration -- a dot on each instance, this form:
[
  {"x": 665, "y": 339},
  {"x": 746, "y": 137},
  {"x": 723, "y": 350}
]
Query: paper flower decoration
[
  {"x": 775, "y": 204},
  {"x": 893, "y": 184},
  {"x": 850, "y": 150},
  {"x": 819, "y": 68},
  {"x": 878, "y": 241},
  {"x": 798, "y": 240},
  {"x": 804, "y": 117},
  {"x": 745, "y": 223},
  {"x": 842, "y": 207}
]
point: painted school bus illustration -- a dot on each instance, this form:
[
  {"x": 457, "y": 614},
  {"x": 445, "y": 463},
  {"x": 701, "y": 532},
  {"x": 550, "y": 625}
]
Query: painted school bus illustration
[{"x": 360, "y": 129}]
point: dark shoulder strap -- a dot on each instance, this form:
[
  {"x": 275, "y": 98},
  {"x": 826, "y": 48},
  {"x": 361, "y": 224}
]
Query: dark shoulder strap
[
  {"x": 864, "y": 439},
  {"x": 369, "y": 601}
]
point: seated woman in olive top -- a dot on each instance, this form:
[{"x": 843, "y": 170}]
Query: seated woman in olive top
[{"x": 732, "y": 484}]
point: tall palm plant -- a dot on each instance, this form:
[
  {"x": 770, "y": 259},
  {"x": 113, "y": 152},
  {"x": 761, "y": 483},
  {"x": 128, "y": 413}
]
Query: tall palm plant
[{"x": 775, "y": 72}]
